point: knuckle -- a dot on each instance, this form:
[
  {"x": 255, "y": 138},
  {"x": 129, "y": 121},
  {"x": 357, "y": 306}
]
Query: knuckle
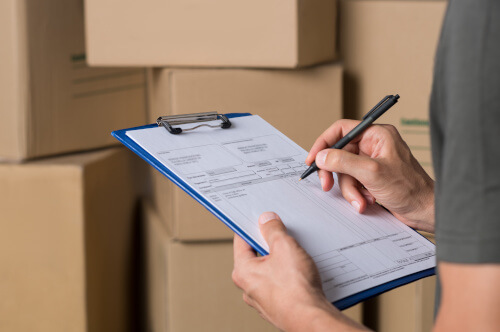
[
  {"x": 391, "y": 129},
  {"x": 391, "y": 132},
  {"x": 246, "y": 299},
  {"x": 278, "y": 238},
  {"x": 340, "y": 123},
  {"x": 373, "y": 167},
  {"x": 237, "y": 279},
  {"x": 250, "y": 292},
  {"x": 234, "y": 276},
  {"x": 346, "y": 122},
  {"x": 382, "y": 130},
  {"x": 334, "y": 158},
  {"x": 284, "y": 242}
]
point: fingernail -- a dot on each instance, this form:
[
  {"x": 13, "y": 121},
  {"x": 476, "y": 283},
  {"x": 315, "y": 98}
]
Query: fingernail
[
  {"x": 322, "y": 182},
  {"x": 267, "y": 216},
  {"x": 321, "y": 157},
  {"x": 356, "y": 205}
]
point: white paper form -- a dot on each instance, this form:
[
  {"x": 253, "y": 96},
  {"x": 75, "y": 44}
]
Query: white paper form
[{"x": 252, "y": 168}]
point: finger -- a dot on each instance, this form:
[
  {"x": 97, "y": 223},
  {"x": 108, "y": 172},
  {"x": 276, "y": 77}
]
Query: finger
[
  {"x": 370, "y": 199},
  {"x": 254, "y": 304},
  {"x": 330, "y": 136},
  {"x": 326, "y": 179},
  {"x": 362, "y": 168},
  {"x": 351, "y": 191},
  {"x": 247, "y": 300},
  {"x": 271, "y": 228},
  {"x": 242, "y": 251}
]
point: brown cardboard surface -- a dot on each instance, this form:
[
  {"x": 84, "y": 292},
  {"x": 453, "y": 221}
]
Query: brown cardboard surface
[
  {"x": 190, "y": 286},
  {"x": 388, "y": 47},
  {"x": 300, "y": 103},
  {"x": 220, "y": 33},
  {"x": 408, "y": 308},
  {"x": 50, "y": 101},
  {"x": 66, "y": 243}
]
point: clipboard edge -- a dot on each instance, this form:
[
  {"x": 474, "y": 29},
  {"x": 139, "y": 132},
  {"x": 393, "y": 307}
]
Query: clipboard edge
[{"x": 341, "y": 304}]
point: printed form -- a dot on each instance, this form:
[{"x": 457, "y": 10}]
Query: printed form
[{"x": 252, "y": 168}]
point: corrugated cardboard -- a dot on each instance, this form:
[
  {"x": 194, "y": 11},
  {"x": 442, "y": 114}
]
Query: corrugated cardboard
[
  {"x": 409, "y": 308},
  {"x": 299, "y": 103},
  {"x": 190, "y": 286},
  {"x": 388, "y": 47},
  {"x": 221, "y": 33},
  {"x": 66, "y": 243},
  {"x": 50, "y": 101}
]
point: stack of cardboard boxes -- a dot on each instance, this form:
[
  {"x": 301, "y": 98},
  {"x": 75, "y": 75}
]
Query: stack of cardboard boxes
[
  {"x": 270, "y": 58},
  {"x": 66, "y": 222}
]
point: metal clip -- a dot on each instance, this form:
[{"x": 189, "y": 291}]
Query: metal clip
[{"x": 172, "y": 120}]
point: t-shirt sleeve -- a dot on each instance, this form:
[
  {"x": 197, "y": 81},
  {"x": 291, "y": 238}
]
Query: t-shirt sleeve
[{"x": 465, "y": 116}]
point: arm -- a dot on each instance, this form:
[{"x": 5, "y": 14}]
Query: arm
[{"x": 470, "y": 297}]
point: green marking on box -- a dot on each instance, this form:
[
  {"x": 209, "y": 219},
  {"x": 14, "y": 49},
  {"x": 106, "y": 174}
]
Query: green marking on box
[
  {"x": 415, "y": 132},
  {"x": 414, "y": 122},
  {"x": 78, "y": 57}
]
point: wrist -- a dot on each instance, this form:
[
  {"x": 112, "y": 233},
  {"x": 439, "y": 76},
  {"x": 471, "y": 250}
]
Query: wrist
[{"x": 427, "y": 217}]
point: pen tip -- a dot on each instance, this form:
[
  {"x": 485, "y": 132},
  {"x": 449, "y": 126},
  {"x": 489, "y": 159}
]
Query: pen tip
[{"x": 300, "y": 179}]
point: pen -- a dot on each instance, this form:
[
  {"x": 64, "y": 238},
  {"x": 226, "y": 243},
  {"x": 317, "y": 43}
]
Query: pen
[{"x": 379, "y": 109}]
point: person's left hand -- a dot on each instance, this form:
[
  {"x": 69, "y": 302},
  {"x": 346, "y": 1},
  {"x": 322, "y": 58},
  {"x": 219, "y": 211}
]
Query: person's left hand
[{"x": 284, "y": 286}]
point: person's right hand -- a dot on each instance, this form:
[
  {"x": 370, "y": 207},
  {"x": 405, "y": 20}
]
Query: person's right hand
[{"x": 376, "y": 166}]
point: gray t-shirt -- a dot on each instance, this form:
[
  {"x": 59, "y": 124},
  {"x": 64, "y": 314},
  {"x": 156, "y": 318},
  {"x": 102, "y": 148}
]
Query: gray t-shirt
[
  {"x": 465, "y": 132},
  {"x": 465, "y": 129}
]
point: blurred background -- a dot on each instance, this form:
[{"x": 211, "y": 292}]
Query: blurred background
[{"x": 93, "y": 239}]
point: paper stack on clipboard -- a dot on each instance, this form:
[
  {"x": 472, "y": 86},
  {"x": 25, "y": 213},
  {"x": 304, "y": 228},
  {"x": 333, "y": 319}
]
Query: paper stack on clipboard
[{"x": 238, "y": 166}]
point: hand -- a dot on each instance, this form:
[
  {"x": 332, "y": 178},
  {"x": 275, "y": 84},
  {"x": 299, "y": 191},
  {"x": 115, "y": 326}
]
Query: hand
[
  {"x": 376, "y": 166},
  {"x": 284, "y": 286}
]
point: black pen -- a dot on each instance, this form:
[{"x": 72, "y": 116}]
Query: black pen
[{"x": 379, "y": 109}]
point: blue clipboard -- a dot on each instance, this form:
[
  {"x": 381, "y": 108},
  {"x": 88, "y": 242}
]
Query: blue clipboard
[{"x": 341, "y": 304}]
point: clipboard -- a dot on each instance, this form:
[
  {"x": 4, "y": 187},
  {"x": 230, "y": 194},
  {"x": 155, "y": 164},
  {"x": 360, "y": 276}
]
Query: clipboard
[{"x": 201, "y": 119}]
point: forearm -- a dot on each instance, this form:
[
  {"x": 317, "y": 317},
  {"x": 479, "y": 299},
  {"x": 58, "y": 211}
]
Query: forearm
[{"x": 324, "y": 317}]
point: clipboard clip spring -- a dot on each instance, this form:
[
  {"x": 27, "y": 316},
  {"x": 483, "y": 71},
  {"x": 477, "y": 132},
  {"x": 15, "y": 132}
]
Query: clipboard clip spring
[{"x": 172, "y": 120}]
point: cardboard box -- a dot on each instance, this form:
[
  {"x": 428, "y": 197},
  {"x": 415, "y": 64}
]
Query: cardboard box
[
  {"x": 220, "y": 33},
  {"x": 190, "y": 287},
  {"x": 408, "y": 308},
  {"x": 388, "y": 47},
  {"x": 66, "y": 243},
  {"x": 50, "y": 101},
  {"x": 299, "y": 103}
]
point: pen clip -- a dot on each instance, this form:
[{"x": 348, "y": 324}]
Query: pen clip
[{"x": 377, "y": 106}]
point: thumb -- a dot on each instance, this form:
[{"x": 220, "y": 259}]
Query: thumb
[
  {"x": 340, "y": 161},
  {"x": 271, "y": 228}
]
